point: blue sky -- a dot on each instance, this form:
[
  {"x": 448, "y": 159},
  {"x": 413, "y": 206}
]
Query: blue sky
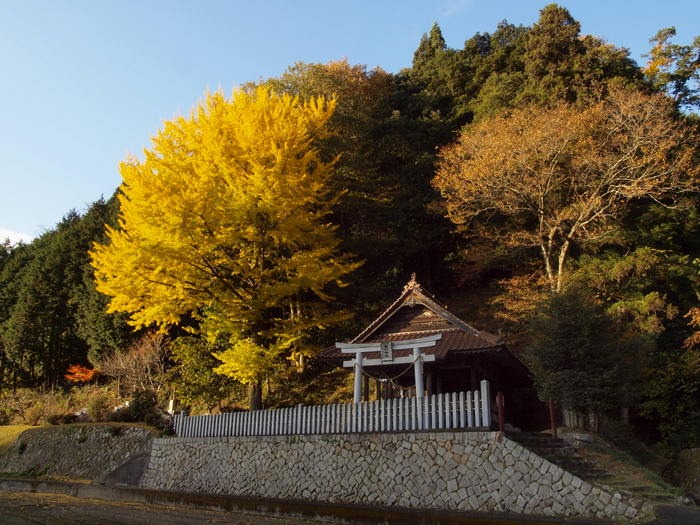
[{"x": 86, "y": 83}]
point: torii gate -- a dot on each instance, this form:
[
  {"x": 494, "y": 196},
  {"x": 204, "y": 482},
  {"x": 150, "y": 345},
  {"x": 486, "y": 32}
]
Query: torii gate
[{"x": 387, "y": 358}]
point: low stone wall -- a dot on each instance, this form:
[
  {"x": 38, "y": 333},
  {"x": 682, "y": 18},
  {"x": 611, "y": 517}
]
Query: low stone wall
[
  {"x": 466, "y": 471},
  {"x": 89, "y": 452}
]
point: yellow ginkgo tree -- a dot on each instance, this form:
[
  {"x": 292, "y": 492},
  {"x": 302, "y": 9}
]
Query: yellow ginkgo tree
[{"x": 225, "y": 222}]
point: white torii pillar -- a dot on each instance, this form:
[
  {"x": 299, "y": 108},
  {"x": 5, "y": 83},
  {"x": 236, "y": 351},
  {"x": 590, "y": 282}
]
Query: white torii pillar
[{"x": 386, "y": 358}]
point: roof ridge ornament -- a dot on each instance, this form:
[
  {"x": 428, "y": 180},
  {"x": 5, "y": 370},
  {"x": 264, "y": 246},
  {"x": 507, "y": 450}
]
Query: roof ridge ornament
[{"x": 412, "y": 284}]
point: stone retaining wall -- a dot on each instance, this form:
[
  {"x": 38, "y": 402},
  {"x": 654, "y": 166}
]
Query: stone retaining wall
[
  {"x": 466, "y": 471},
  {"x": 89, "y": 452}
]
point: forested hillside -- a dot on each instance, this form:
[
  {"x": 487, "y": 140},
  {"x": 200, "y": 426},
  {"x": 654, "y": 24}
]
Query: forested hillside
[{"x": 532, "y": 175}]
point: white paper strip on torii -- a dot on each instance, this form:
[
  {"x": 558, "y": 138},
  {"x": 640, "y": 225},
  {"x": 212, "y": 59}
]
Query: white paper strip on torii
[{"x": 417, "y": 359}]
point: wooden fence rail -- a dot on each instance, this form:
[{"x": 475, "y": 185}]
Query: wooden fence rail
[{"x": 440, "y": 411}]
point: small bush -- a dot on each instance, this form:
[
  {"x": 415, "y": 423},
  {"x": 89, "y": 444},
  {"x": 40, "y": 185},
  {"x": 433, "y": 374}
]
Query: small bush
[
  {"x": 142, "y": 405},
  {"x": 61, "y": 419},
  {"x": 98, "y": 407},
  {"x": 143, "y": 408},
  {"x": 121, "y": 414}
]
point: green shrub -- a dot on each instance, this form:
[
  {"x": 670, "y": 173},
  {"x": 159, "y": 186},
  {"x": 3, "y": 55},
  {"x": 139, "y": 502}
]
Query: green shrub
[
  {"x": 142, "y": 404},
  {"x": 98, "y": 407}
]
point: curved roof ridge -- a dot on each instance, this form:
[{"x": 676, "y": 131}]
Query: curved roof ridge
[
  {"x": 430, "y": 331},
  {"x": 412, "y": 294}
]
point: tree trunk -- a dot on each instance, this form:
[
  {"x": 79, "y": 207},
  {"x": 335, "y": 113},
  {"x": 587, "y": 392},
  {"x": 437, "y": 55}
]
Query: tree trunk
[
  {"x": 560, "y": 265},
  {"x": 625, "y": 415},
  {"x": 255, "y": 395}
]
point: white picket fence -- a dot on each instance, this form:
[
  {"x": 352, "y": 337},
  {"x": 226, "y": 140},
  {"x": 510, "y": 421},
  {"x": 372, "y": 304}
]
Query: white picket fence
[{"x": 436, "y": 412}]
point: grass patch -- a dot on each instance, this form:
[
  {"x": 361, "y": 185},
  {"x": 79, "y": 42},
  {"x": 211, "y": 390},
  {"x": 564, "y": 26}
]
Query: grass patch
[
  {"x": 623, "y": 461},
  {"x": 115, "y": 428},
  {"x": 33, "y": 473},
  {"x": 8, "y": 435}
]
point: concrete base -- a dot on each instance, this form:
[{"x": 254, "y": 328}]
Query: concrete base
[{"x": 345, "y": 514}]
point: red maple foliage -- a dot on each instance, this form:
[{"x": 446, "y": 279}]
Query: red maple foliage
[{"x": 80, "y": 374}]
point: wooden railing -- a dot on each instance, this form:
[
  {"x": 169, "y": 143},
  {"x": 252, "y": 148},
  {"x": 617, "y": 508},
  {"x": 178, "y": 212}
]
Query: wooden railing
[{"x": 458, "y": 410}]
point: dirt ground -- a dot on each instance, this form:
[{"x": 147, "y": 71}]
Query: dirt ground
[{"x": 25, "y": 508}]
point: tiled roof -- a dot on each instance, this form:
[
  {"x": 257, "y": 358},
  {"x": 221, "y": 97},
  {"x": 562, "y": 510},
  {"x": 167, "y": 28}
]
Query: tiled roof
[{"x": 417, "y": 314}]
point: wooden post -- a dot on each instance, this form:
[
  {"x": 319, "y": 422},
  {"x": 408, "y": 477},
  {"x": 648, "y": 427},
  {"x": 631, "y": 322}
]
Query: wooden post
[
  {"x": 501, "y": 404},
  {"x": 552, "y": 422}
]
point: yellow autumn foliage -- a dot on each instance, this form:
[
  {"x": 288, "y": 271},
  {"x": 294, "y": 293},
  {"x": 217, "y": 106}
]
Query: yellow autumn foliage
[{"x": 225, "y": 223}]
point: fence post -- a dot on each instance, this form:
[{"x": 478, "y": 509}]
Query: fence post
[
  {"x": 477, "y": 409},
  {"x": 455, "y": 413},
  {"x": 486, "y": 403},
  {"x": 417, "y": 414},
  {"x": 430, "y": 412}
]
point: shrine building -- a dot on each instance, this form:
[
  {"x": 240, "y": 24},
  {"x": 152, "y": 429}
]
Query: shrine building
[{"x": 417, "y": 348}]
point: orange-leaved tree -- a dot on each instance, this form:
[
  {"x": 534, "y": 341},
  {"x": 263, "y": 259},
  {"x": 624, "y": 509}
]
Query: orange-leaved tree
[
  {"x": 80, "y": 374},
  {"x": 552, "y": 178}
]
